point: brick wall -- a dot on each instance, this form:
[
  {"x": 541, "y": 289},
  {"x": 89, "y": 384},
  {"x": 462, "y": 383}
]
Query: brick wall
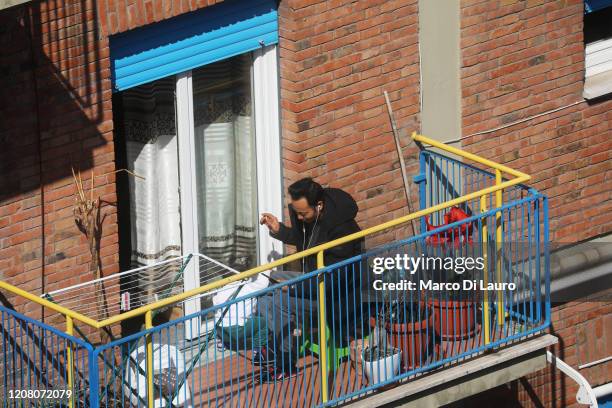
[
  {"x": 55, "y": 114},
  {"x": 334, "y": 123},
  {"x": 336, "y": 58},
  {"x": 116, "y": 16},
  {"x": 584, "y": 330},
  {"x": 585, "y": 335},
  {"x": 521, "y": 59},
  {"x": 55, "y": 71}
]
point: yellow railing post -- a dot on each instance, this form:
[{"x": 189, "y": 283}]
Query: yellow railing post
[
  {"x": 485, "y": 257},
  {"x": 322, "y": 330},
  {"x": 70, "y": 360},
  {"x": 149, "y": 357},
  {"x": 498, "y": 241}
]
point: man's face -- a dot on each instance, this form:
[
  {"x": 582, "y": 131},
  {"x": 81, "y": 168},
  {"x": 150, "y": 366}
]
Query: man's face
[{"x": 304, "y": 212}]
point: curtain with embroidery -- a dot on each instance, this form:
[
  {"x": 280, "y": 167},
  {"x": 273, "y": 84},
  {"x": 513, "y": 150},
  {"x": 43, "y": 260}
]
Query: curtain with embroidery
[
  {"x": 151, "y": 150},
  {"x": 224, "y": 140}
]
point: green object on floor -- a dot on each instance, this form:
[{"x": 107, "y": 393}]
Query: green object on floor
[{"x": 334, "y": 354}]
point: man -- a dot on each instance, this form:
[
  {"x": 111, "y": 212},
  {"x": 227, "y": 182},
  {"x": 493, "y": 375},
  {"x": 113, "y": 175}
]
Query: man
[{"x": 318, "y": 215}]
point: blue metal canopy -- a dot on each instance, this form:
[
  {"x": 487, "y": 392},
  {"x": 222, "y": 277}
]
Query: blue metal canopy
[
  {"x": 594, "y": 5},
  {"x": 192, "y": 40}
]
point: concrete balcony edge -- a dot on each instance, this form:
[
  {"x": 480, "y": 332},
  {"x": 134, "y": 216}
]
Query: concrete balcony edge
[{"x": 466, "y": 378}]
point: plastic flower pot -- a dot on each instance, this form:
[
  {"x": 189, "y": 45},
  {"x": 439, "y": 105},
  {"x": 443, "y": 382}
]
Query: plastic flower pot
[
  {"x": 381, "y": 366},
  {"x": 356, "y": 351},
  {"x": 454, "y": 319}
]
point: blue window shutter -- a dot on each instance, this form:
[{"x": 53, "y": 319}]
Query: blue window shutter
[
  {"x": 191, "y": 40},
  {"x": 594, "y": 5}
]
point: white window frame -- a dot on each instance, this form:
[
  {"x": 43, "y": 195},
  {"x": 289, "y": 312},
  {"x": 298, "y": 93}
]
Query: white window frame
[
  {"x": 268, "y": 147},
  {"x": 187, "y": 181},
  {"x": 268, "y": 163}
]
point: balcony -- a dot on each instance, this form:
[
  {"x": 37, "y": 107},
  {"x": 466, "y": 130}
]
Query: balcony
[{"x": 438, "y": 325}]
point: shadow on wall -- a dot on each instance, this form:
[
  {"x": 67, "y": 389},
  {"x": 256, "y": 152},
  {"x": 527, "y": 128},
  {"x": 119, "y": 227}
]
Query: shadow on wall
[{"x": 52, "y": 90}]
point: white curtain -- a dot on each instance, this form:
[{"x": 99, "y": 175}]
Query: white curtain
[
  {"x": 226, "y": 221},
  {"x": 151, "y": 149},
  {"x": 224, "y": 171},
  {"x": 155, "y": 208},
  {"x": 226, "y": 183}
]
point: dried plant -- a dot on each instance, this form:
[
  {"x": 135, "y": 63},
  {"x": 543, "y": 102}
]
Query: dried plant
[{"x": 87, "y": 217}]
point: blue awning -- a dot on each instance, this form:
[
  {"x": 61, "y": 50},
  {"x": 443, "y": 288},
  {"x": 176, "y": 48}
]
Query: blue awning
[
  {"x": 594, "y": 5},
  {"x": 192, "y": 40}
]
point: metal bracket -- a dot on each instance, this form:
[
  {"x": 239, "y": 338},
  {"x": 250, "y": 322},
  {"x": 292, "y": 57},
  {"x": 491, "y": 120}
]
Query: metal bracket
[
  {"x": 585, "y": 394},
  {"x": 419, "y": 178}
]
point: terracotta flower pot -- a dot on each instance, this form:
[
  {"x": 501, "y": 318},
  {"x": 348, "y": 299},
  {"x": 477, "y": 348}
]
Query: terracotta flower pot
[
  {"x": 454, "y": 319},
  {"x": 412, "y": 338}
]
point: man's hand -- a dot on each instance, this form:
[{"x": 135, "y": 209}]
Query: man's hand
[
  {"x": 284, "y": 288},
  {"x": 270, "y": 221}
]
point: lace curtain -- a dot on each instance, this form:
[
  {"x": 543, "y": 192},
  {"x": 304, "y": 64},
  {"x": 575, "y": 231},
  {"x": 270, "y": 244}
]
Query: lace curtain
[
  {"x": 225, "y": 162},
  {"x": 151, "y": 152},
  {"x": 224, "y": 171},
  {"x": 151, "y": 147}
]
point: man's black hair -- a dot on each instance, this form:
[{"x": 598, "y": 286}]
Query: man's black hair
[{"x": 307, "y": 188}]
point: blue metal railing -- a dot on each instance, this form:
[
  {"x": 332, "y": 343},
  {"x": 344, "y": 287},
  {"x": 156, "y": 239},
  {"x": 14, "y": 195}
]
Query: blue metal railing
[
  {"x": 35, "y": 365},
  {"x": 432, "y": 328},
  {"x": 234, "y": 354}
]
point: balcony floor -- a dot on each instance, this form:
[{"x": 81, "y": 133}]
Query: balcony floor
[{"x": 233, "y": 381}]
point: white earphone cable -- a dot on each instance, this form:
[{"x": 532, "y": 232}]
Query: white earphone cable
[{"x": 310, "y": 239}]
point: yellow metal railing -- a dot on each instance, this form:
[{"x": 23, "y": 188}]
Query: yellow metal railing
[
  {"x": 500, "y": 185},
  {"x": 70, "y": 357}
]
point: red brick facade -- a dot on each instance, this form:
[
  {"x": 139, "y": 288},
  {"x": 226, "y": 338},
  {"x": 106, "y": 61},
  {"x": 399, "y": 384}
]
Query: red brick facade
[
  {"x": 523, "y": 58},
  {"x": 334, "y": 68},
  {"x": 55, "y": 114},
  {"x": 519, "y": 59}
]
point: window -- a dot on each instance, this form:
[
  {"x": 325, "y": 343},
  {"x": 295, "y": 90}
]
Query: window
[
  {"x": 598, "y": 48},
  {"x": 196, "y": 113},
  {"x": 219, "y": 164},
  {"x": 206, "y": 144}
]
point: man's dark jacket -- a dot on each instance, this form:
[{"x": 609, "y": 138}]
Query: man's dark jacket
[{"x": 337, "y": 220}]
